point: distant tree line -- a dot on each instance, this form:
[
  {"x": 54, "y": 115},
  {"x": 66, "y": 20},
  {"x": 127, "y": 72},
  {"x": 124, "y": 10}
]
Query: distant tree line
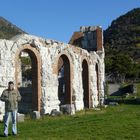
[{"x": 121, "y": 68}]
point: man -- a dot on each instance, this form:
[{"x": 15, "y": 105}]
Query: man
[{"x": 11, "y": 97}]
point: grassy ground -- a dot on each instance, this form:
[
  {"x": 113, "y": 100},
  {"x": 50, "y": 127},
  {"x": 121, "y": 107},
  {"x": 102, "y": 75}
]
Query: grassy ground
[
  {"x": 120, "y": 122},
  {"x": 138, "y": 89}
]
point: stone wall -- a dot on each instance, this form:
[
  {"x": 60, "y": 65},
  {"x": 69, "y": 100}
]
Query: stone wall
[
  {"x": 89, "y": 38},
  {"x": 2, "y": 105},
  {"x": 47, "y": 53}
]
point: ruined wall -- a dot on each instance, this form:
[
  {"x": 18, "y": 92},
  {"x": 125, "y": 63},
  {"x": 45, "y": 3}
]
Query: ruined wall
[
  {"x": 89, "y": 38},
  {"x": 48, "y": 53}
]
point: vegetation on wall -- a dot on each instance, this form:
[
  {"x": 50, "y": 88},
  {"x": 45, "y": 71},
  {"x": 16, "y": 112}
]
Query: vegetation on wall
[{"x": 26, "y": 68}]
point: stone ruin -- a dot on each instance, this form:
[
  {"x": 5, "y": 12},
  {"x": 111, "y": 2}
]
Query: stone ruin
[{"x": 62, "y": 74}]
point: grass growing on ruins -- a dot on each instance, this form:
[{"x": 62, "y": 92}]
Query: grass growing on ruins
[{"x": 120, "y": 122}]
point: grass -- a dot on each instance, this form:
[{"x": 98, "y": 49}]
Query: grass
[
  {"x": 138, "y": 89},
  {"x": 121, "y": 122}
]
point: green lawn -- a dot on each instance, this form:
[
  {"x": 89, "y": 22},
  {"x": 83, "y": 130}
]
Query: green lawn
[
  {"x": 121, "y": 122},
  {"x": 138, "y": 89}
]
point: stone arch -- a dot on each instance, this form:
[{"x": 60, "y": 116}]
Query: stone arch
[
  {"x": 36, "y": 71},
  {"x": 85, "y": 82},
  {"x": 64, "y": 60}
]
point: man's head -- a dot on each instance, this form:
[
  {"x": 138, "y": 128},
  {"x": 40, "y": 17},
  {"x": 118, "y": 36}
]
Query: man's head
[{"x": 11, "y": 85}]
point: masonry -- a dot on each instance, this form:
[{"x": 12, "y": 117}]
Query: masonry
[{"x": 81, "y": 62}]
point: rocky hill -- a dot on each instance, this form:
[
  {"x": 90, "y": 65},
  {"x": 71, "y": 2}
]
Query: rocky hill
[
  {"x": 8, "y": 30},
  {"x": 124, "y": 34},
  {"x": 122, "y": 40}
]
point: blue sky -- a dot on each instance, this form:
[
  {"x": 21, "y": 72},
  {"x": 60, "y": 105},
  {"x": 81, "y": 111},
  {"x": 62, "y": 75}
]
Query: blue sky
[{"x": 58, "y": 19}]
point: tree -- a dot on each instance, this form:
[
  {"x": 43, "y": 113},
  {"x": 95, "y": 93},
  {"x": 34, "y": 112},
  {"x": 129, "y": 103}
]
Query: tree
[{"x": 119, "y": 66}]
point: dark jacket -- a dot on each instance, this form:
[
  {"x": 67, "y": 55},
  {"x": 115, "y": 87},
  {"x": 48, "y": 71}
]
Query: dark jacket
[{"x": 11, "y": 99}]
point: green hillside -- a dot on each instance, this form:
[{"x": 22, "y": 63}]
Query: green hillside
[
  {"x": 8, "y": 30},
  {"x": 122, "y": 46}
]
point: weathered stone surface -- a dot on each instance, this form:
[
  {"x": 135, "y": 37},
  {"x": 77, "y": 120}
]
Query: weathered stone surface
[
  {"x": 20, "y": 117},
  {"x": 49, "y": 52},
  {"x": 54, "y": 112},
  {"x": 35, "y": 115},
  {"x": 68, "y": 109},
  {"x": 1, "y": 117},
  {"x": 2, "y": 105},
  {"x": 91, "y": 39}
]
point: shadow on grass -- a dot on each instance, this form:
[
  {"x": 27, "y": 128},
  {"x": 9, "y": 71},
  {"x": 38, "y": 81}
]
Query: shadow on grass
[
  {"x": 132, "y": 101},
  {"x": 123, "y": 101},
  {"x": 1, "y": 135}
]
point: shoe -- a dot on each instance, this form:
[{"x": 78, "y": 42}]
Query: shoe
[
  {"x": 14, "y": 134},
  {"x": 5, "y": 135}
]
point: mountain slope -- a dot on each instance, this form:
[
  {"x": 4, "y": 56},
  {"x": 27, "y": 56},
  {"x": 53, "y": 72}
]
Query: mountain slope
[
  {"x": 124, "y": 34},
  {"x": 8, "y": 30},
  {"x": 122, "y": 46}
]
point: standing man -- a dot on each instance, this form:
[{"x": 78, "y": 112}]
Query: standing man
[{"x": 11, "y": 97}]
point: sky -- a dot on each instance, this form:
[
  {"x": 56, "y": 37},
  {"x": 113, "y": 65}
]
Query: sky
[{"x": 58, "y": 19}]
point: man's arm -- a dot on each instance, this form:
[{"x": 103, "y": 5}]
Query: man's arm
[
  {"x": 4, "y": 97},
  {"x": 18, "y": 96}
]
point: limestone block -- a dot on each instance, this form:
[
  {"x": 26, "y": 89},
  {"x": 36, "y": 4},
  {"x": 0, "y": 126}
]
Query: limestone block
[
  {"x": 68, "y": 109},
  {"x": 2, "y": 104},
  {"x": 93, "y": 28},
  {"x": 3, "y": 83},
  {"x": 82, "y": 28},
  {"x": 2, "y": 42},
  {"x": 2, "y": 107},
  {"x": 8, "y": 44},
  {"x": 1, "y": 117},
  {"x": 79, "y": 105},
  {"x": 48, "y": 42},
  {"x": 20, "y": 117},
  {"x": 14, "y": 48},
  {"x": 54, "y": 112},
  {"x": 35, "y": 115}
]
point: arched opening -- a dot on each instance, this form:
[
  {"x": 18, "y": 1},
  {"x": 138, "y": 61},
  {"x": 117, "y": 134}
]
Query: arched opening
[
  {"x": 85, "y": 82},
  {"x": 28, "y": 79},
  {"x": 97, "y": 77},
  {"x": 64, "y": 87}
]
